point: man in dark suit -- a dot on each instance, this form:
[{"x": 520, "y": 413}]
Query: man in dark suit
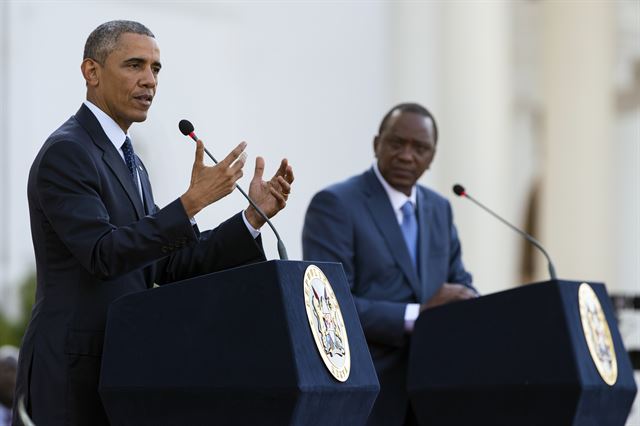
[
  {"x": 98, "y": 235},
  {"x": 398, "y": 245}
]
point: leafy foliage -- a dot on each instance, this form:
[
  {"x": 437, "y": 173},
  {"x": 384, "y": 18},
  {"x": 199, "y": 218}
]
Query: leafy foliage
[{"x": 11, "y": 332}]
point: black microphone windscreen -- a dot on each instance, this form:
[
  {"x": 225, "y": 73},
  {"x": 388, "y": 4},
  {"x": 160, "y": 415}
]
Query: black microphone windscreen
[
  {"x": 458, "y": 189},
  {"x": 186, "y": 127}
]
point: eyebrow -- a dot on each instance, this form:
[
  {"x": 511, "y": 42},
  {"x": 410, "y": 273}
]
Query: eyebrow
[
  {"x": 419, "y": 141},
  {"x": 141, "y": 61}
]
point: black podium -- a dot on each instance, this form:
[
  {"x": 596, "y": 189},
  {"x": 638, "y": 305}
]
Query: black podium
[
  {"x": 232, "y": 348},
  {"x": 518, "y": 357}
]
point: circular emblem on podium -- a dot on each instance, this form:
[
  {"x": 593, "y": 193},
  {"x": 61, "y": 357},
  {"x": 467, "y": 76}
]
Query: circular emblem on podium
[
  {"x": 327, "y": 325},
  {"x": 597, "y": 333}
]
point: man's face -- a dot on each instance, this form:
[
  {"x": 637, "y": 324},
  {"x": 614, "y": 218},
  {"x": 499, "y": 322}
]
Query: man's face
[
  {"x": 127, "y": 81},
  {"x": 405, "y": 149}
]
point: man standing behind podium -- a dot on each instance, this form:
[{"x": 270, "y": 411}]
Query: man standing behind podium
[
  {"x": 98, "y": 235},
  {"x": 398, "y": 245}
]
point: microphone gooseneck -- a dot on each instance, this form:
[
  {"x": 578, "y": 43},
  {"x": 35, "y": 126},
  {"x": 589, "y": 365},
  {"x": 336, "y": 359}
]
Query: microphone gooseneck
[
  {"x": 460, "y": 191},
  {"x": 187, "y": 129}
]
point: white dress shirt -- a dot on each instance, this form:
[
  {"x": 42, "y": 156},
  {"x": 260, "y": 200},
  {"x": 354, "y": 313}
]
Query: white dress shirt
[{"x": 398, "y": 199}]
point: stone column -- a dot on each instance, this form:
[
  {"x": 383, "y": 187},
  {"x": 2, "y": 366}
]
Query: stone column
[{"x": 578, "y": 211}]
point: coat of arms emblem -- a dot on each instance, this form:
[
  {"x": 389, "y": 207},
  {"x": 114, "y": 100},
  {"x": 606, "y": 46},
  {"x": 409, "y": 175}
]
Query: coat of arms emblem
[
  {"x": 327, "y": 325},
  {"x": 597, "y": 333}
]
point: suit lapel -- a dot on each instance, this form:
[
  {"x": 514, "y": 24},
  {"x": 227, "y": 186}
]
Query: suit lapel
[
  {"x": 149, "y": 204},
  {"x": 385, "y": 219},
  {"x": 425, "y": 213},
  {"x": 110, "y": 156},
  {"x": 119, "y": 168}
]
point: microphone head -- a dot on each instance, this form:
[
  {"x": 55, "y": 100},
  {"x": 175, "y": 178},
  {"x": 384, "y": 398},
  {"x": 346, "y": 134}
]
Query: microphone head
[
  {"x": 458, "y": 190},
  {"x": 185, "y": 127}
]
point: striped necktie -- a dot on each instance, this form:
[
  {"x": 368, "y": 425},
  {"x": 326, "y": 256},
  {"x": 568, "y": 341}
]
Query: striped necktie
[{"x": 130, "y": 159}]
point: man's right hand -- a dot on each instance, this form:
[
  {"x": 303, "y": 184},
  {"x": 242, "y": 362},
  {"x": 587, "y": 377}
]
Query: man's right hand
[
  {"x": 449, "y": 293},
  {"x": 209, "y": 184}
]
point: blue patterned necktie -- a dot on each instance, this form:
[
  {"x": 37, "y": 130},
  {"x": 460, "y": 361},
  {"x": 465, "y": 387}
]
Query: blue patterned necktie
[
  {"x": 410, "y": 229},
  {"x": 130, "y": 159}
]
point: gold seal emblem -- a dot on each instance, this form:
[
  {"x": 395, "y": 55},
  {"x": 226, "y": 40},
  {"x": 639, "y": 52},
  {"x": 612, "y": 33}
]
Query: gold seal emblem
[
  {"x": 327, "y": 325},
  {"x": 596, "y": 331}
]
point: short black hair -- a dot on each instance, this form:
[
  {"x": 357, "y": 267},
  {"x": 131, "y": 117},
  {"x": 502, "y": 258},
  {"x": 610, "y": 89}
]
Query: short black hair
[
  {"x": 409, "y": 107},
  {"x": 102, "y": 41}
]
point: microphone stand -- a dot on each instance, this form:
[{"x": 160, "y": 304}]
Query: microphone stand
[
  {"x": 459, "y": 190},
  {"x": 186, "y": 128}
]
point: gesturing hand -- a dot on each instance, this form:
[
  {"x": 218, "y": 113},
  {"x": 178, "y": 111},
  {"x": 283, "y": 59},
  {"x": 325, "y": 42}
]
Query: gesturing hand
[
  {"x": 271, "y": 196},
  {"x": 209, "y": 184}
]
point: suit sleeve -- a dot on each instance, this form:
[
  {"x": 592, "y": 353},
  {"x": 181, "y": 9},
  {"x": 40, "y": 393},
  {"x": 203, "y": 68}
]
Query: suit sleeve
[
  {"x": 227, "y": 246},
  {"x": 69, "y": 190},
  {"x": 329, "y": 235}
]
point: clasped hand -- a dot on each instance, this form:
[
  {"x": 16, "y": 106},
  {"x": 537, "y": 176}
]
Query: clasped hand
[{"x": 449, "y": 293}]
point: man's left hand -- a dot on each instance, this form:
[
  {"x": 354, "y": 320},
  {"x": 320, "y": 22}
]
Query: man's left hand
[{"x": 271, "y": 196}]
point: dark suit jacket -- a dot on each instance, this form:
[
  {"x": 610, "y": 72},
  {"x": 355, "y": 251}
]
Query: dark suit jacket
[
  {"x": 93, "y": 243},
  {"x": 353, "y": 222}
]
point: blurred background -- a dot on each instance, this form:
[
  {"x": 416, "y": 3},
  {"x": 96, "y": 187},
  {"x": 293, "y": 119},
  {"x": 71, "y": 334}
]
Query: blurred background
[{"x": 538, "y": 105}]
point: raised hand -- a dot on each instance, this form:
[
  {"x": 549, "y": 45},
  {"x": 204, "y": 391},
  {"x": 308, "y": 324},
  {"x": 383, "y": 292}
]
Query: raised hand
[
  {"x": 271, "y": 196},
  {"x": 209, "y": 184}
]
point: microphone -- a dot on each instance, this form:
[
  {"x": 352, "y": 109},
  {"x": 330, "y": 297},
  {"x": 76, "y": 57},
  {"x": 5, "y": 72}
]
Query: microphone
[
  {"x": 460, "y": 191},
  {"x": 187, "y": 129}
]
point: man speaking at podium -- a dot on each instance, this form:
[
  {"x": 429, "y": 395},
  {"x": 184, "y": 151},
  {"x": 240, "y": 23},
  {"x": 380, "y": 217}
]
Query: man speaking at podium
[
  {"x": 98, "y": 235},
  {"x": 398, "y": 245}
]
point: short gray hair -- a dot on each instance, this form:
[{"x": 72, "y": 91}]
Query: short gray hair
[{"x": 102, "y": 41}]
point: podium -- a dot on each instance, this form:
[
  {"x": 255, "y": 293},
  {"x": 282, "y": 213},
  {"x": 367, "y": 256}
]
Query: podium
[
  {"x": 236, "y": 348},
  {"x": 522, "y": 357}
]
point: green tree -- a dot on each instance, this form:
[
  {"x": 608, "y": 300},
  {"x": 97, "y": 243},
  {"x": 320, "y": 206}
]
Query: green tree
[{"x": 11, "y": 332}]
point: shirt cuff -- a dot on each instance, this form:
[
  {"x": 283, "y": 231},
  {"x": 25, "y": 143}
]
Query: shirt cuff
[
  {"x": 254, "y": 232},
  {"x": 410, "y": 316}
]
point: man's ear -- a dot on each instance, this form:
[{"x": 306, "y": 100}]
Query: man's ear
[
  {"x": 91, "y": 72},
  {"x": 376, "y": 142},
  {"x": 432, "y": 157}
]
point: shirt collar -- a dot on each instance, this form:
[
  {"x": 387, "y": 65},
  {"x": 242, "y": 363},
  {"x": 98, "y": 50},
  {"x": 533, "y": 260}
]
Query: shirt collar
[
  {"x": 396, "y": 197},
  {"x": 110, "y": 127}
]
